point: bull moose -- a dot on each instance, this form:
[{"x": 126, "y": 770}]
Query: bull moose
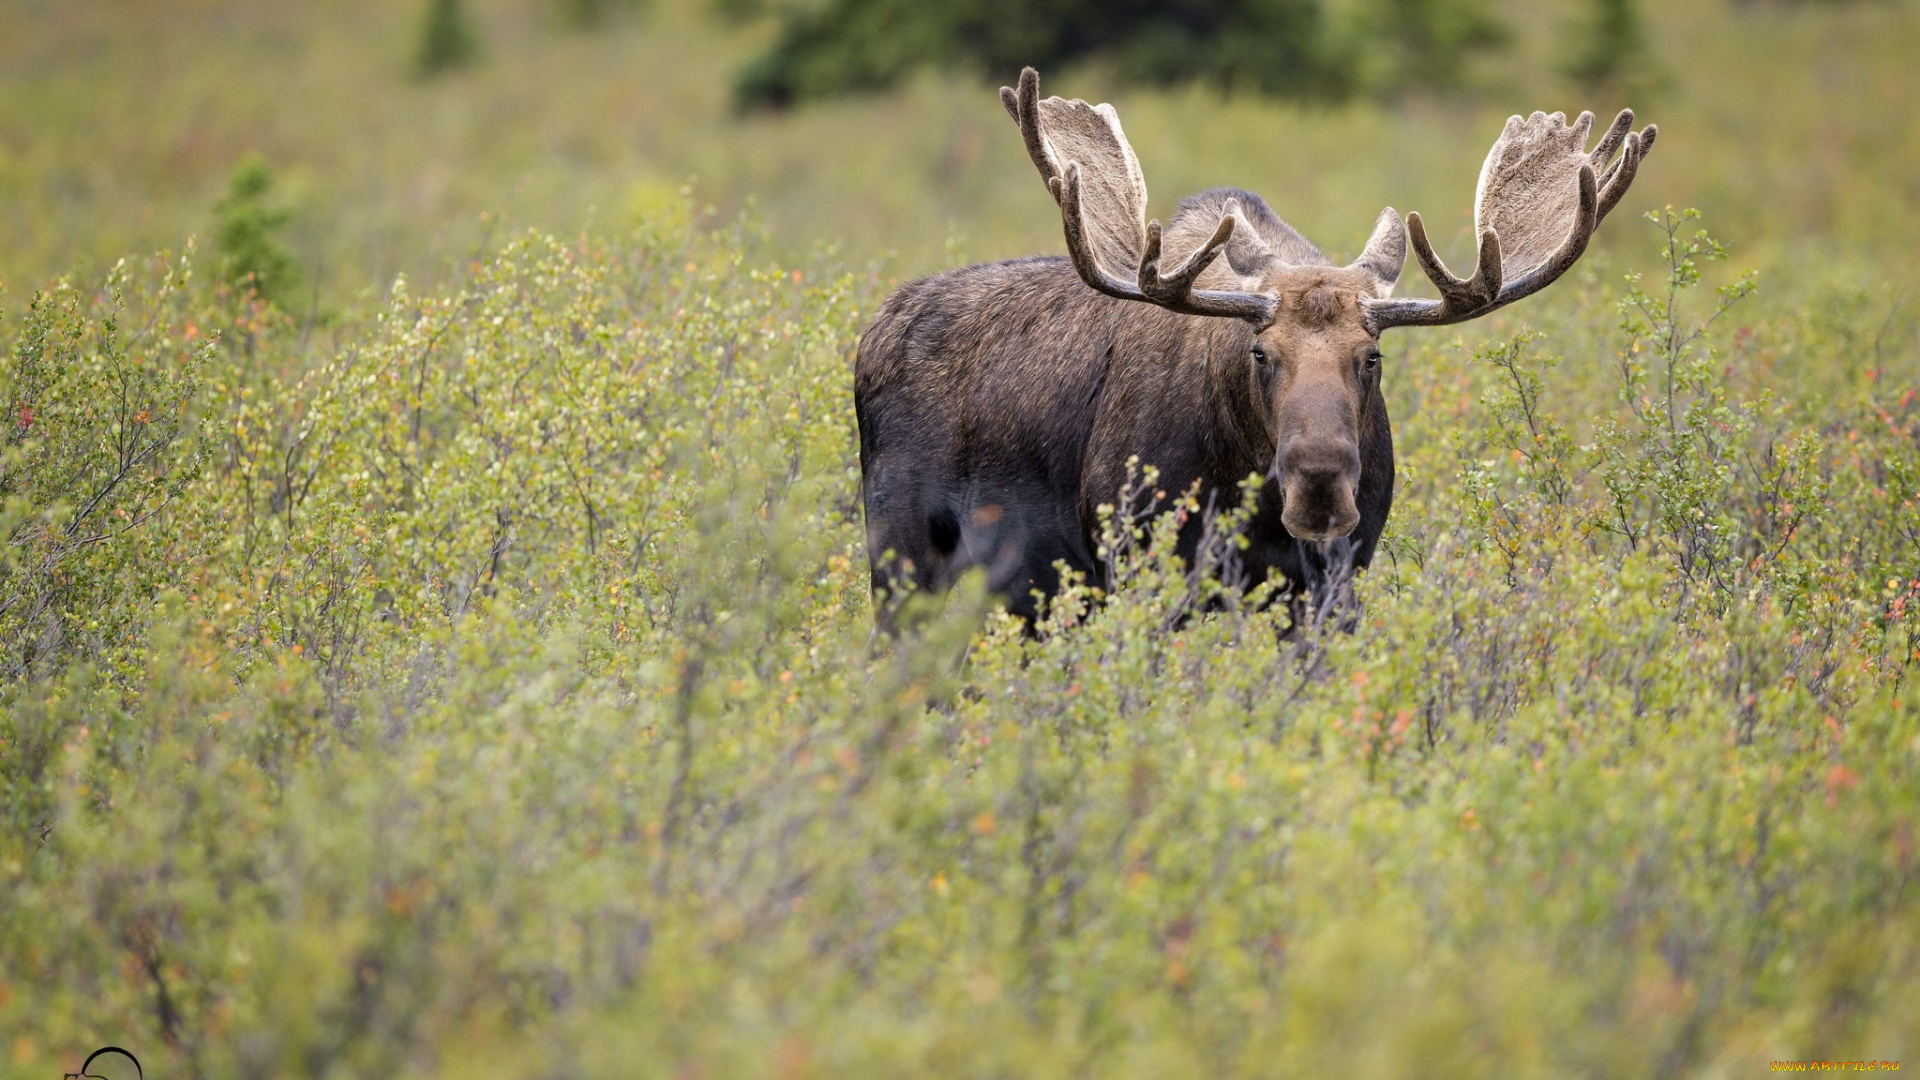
[{"x": 1000, "y": 405}]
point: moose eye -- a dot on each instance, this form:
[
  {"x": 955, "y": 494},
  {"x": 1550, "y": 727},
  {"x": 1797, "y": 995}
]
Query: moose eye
[
  {"x": 1372, "y": 361},
  {"x": 1259, "y": 355}
]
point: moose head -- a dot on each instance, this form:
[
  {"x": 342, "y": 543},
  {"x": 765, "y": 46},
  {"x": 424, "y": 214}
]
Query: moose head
[{"x": 1317, "y": 327}]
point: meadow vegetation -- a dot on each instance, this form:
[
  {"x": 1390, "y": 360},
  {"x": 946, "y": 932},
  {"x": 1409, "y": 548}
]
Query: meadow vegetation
[{"x": 473, "y": 675}]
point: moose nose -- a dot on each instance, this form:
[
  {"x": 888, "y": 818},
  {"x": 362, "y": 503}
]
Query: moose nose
[
  {"x": 1317, "y": 486},
  {"x": 1318, "y": 462}
]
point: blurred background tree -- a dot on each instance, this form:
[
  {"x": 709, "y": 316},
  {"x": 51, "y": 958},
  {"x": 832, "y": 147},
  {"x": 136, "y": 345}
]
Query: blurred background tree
[
  {"x": 1608, "y": 50},
  {"x": 591, "y": 14},
  {"x": 1299, "y": 49},
  {"x": 1424, "y": 44},
  {"x": 447, "y": 39},
  {"x": 247, "y": 233}
]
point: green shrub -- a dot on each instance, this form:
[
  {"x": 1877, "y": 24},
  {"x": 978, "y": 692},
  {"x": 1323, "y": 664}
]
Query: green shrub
[
  {"x": 1610, "y": 50},
  {"x": 508, "y": 702},
  {"x": 102, "y": 444}
]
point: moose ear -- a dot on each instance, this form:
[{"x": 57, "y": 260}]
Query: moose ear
[
  {"x": 1247, "y": 254},
  {"x": 1386, "y": 252}
]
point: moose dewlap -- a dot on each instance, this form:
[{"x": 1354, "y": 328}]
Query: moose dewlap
[{"x": 999, "y": 405}]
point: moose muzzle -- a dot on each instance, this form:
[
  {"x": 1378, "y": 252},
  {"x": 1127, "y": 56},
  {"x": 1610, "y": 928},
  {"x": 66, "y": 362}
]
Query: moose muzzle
[{"x": 1318, "y": 477}]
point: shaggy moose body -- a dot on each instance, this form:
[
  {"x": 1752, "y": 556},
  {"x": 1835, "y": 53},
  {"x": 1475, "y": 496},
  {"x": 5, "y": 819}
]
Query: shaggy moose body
[{"x": 1000, "y": 405}]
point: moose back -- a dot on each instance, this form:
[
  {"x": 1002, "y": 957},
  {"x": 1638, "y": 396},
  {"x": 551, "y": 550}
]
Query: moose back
[{"x": 999, "y": 405}]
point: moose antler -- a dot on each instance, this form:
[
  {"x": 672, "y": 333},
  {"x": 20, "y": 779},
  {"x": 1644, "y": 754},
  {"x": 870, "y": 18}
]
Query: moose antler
[
  {"x": 1093, "y": 174},
  {"x": 1538, "y": 202}
]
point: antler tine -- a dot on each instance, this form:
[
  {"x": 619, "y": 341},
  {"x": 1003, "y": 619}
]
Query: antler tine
[
  {"x": 1169, "y": 288},
  {"x": 1610, "y": 141},
  {"x": 1458, "y": 294},
  {"x": 1620, "y": 175},
  {"x": 1175, "y": 292},
  {"x": 1024, "y": 106}
]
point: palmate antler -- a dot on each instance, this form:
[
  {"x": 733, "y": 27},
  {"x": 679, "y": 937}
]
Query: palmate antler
[
  {"x": 1538, "y": 203},
  {"x": 1093, "y": 174}
]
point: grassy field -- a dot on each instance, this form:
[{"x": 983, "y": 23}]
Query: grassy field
[{"x": 464, "y": 667}]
